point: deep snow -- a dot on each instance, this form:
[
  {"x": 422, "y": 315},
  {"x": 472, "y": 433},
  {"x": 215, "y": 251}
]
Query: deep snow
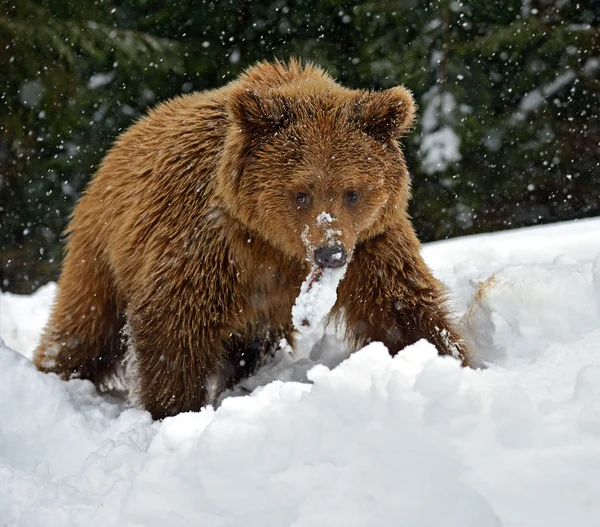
[{"x": 373, "y": 441}]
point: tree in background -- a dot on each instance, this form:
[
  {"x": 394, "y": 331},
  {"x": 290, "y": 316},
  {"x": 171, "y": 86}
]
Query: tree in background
[{"x": 509, "y": 96}]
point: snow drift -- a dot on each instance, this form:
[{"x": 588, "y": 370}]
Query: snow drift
[{"x": 368, "y": 440}]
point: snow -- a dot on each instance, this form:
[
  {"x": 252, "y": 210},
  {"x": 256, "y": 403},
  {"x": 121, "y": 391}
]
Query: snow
[
  {"x": 318, "y": 292},
  {"x": 440, "y": 145},
  {"x": 534, "y": 99},
  {"x": 317, "y": 297},
  {"x": 100, "y": 79},
  {"x": 324, "y": 219},
  {"x": 22, "y": 318},
  {"x": 370, "y": 440},
  {"x": 439, "y": 150},
  {"x": 439, "y": 106}
]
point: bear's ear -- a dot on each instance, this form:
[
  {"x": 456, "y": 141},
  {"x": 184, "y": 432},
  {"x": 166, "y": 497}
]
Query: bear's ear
[
  {"x": 385, "y": 114},
  {"x": 257, "y": 112}
]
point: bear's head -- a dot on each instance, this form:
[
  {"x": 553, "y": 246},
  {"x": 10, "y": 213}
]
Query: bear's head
[{"x": 315, "y": 168}]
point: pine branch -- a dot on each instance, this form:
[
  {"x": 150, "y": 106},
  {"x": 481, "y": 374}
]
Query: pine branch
[{"x": 69, "y": 39}]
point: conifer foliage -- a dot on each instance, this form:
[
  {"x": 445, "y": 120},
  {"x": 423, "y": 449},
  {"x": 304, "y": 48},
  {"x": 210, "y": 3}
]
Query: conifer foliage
[{"x": 509, "y": 96}]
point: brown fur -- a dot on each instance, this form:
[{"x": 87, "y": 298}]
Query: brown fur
[{"x": 190, "y": 233}]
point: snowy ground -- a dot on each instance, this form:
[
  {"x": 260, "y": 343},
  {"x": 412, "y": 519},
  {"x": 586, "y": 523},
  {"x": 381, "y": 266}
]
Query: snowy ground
[{"x": 413, "y": 441}]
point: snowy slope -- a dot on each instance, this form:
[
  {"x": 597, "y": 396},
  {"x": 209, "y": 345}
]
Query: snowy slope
[{"x": 373, "y": 441}]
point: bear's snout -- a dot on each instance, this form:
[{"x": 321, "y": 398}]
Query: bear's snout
[{"x": 330, "y": 256}]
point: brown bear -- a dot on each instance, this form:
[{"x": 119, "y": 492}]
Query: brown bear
[{"x": 202, "y": 223}]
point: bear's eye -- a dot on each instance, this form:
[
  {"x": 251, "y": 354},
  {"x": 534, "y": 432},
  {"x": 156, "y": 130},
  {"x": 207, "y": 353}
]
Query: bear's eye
[
  {"x": 302, "y": 200},
  {"x": 351, "y": 197}
]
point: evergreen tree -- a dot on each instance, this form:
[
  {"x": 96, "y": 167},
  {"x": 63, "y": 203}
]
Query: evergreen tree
[{"x": 509, "y": 96}]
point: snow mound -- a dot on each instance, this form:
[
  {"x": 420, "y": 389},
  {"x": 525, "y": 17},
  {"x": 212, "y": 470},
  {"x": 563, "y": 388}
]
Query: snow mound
[
  {"x": 519, "y": 309},
  {"x": 22, "y": 318},
  {"x": 352, "y": 448}
]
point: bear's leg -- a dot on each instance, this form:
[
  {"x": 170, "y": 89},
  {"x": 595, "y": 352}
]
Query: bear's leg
[
  {"x": 175, "y": 362},
  {"x": 247, "y": 353},
  {"x": 82, "y": 338},
  {"x": 389, "y": 295}
]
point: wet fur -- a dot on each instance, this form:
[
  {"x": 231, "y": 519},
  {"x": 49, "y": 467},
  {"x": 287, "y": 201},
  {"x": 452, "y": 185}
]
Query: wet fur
[{"x": 188, "y": 232}]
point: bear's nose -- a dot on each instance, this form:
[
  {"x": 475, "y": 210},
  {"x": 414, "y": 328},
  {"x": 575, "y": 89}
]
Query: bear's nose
[{"x": 330, "y": 256}]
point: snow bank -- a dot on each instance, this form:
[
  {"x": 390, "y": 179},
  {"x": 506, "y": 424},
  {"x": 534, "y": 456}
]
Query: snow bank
[
  {"x": 350, "y": 449},
  {"x": 22, "y": 318},
  {"x": 415, "y": 440}
]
